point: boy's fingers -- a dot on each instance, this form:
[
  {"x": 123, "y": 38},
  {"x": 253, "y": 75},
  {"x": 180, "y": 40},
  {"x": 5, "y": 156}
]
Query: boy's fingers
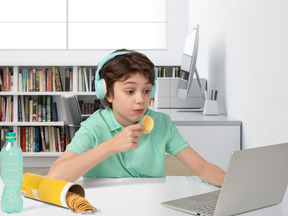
[{"x": 136, "y": 127}]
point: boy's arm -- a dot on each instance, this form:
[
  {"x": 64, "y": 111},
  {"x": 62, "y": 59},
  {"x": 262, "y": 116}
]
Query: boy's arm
[
  {"x": 210, "y": 172},
  {"x": 70, "y": 166}
]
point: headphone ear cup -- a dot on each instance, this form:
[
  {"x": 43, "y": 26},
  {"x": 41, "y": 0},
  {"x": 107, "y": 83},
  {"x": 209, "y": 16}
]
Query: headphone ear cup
[
  {"x": 100, "y": 88},
  {"x": 153, "y": 90}
]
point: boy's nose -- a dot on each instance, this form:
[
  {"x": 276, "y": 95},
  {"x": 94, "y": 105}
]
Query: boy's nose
[{"x": 139, "y": 98}]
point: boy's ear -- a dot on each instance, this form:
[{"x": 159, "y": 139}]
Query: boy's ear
[{"x": 109, "y": 97}]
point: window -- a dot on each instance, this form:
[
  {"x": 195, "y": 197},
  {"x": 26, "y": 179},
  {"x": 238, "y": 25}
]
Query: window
[{"x": 86, "y": 24}]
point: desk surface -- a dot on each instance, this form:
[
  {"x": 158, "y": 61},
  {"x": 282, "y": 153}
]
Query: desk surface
[
  {"x": 184, "y": 117},
  {"x": 137, "y": 196}
]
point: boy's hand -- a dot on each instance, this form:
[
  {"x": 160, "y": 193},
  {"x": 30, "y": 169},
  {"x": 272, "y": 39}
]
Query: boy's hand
[{"x": 127, "y": 139}]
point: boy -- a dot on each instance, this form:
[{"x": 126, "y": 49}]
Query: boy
[{"x": 110, "y": 143}]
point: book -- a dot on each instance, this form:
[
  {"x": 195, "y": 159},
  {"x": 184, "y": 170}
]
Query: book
[
  {"x": 56, "y": 147},
  {"x": 29, "y": 140},
  {"x": 42, "y": 138},
  {"x": 44, "y": 77},
  {"x": 32, "y": 139},
  {"x": 86, "y": 79},
  {"x": 1, "y": 80},
  {"x": 58, "y": 79},
  {"x": 24, "y": 77},
  {"x": 19, "y": 138},
  {"x": 39, "y": 115},
  {"x": 37, "y": 80},
  {"x": 79, "y": 80},
  {"x": 5, "y": 89},
  {"x": 30, "y": 110},
  {"x": 53, "y": 139},
  {"x": 58, "y": 139},
  {"x": 37, "y": 147},
  {"x": 48, "y": 108},
  {"x": 50, "y": 138},
  {"x": 62, "y": 139},
  {"x": 53, "y": 79},
  {"x": 68, "y": 79},
  {"x": 26, "y": 109},
  {"x": 3, "y": 109},
  {"x": 71, "y": 81},
  {"x": 1, "y": 98},
  {"x": 44, "y": 118},
  {"x": 35, "y": 110},
  {"x": 20, "y": 82},
  {"x": 19, "y": 110},
  {"x": 22, "y": 108},
  {"x": 90, "y": 80},
  {"x": 49, "y": 80},
  {"x": 9, "y": 79},
  {"x": 46, "y": 138},
  {"x": 23, "y": 139},
  {"x": 8, "y": 104},
  {"x": 54, "y": 112}
]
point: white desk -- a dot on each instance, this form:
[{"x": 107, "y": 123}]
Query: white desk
[{"x": 137, "y": 196}]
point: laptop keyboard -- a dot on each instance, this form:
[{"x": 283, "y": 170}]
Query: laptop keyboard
[{"x": 206, "y": 208}]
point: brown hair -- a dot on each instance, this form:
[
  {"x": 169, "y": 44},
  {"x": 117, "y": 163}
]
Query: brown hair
[{"x": 122, "y": 67}]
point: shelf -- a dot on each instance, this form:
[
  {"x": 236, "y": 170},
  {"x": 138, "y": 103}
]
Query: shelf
[
  {"x": 42, "y": 154},
  {"x": 85, "y": 93},
  {"x": 59, "y": 123},
  {"x": 40, "y": 93},
  {"x": 7, "y": 124},
  {"x": 6, "y": 93}
]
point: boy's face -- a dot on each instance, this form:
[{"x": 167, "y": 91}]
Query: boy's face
[{"x": 131, "y": 99}]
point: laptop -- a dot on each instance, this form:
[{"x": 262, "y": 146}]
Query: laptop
[{"x": 255, "y": 178}]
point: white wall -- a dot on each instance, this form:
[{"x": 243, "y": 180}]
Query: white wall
[
  {"x": 245, "y": 53},
  {"x": 177, "y": 19}
]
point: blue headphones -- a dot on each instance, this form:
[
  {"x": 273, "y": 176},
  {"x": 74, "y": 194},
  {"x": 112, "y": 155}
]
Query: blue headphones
[{"x": 100, "y": 84}]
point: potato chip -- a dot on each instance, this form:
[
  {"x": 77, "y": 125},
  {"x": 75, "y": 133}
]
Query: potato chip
[
  {"x": 78, "y": 203},
  {"x": 148, "y": 123}
]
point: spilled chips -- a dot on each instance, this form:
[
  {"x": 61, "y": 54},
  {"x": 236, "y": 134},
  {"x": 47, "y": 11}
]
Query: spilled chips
[{"x": 78, "y": 204}]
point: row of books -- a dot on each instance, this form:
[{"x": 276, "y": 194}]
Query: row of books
[
  {"x": 6, "y": 109},
  {"x": 168, "y": 71},
  {"x": 45, "y": 80},
  {"x": 41, "y": 110},
  {"x": 89, "y": 108},
  {"x": 6, "y": 79},
  {"x": 42, "y": 139},
  {"x": 3, "y": 132},
  {"x": 86, "y": 81}
]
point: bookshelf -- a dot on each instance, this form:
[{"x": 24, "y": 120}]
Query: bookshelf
[{"x": 12, "y": 87}]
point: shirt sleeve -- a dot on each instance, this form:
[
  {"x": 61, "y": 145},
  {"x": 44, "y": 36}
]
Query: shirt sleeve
[
  {"x": 82, "y": 141},
  {"x": 176, "y": 142}
]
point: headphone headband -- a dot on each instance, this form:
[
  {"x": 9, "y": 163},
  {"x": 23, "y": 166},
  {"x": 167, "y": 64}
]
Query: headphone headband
[{"x": 100, "y": 84}]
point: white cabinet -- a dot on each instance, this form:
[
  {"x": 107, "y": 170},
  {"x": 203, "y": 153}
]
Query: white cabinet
[
  {"x": 213, "y": 143},
  {"x": 213, "y": 137}
]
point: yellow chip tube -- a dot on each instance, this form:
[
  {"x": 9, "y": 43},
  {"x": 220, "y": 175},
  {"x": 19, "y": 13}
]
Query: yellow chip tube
[{"x": 49, "y": 190}]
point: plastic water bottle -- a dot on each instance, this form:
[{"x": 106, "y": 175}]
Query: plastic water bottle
[{"x": 11, "y": 175}]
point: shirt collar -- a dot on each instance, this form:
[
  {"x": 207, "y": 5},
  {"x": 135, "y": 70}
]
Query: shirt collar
[{"x": 111, "y": 121}]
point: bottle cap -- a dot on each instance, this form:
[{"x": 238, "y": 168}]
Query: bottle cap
[{"x": 11, "y": 135}]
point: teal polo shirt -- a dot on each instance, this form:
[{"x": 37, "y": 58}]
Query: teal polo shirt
[{"x": 148, "y": 160}]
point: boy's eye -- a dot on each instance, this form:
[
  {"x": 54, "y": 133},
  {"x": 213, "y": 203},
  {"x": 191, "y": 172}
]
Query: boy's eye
[
  {"x": 147, "y": 91},
  {"x": 129, "y": 91}
]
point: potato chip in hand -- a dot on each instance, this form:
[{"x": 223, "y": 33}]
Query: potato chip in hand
[{"x": 148, "y": 123}]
